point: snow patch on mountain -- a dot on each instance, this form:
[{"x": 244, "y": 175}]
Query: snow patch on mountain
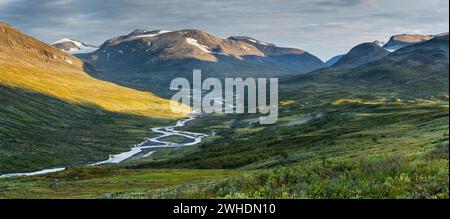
[
  {"x": 152, "y": 34},
  {"x": 194, "y": 42},
  {"x": 380, "y": 44},
  {"x": 391, "y": 49},
  {"x": 257, "y": 41}
]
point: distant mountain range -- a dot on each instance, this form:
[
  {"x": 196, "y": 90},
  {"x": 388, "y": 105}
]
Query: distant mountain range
[
  {"x": 149, "y": 60},
  {"x": 367, "y": 52},
  {"x": 162, "y": 46},
  {"x": 161, "y": 55},
  {"x": 419, "y": 69}
]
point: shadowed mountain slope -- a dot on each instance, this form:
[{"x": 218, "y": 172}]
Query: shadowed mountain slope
[{"x": 361, "y": 54}]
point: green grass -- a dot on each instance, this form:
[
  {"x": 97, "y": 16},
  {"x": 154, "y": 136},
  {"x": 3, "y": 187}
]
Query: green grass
[
  {"x": 175, "y": 139},
  {"x": 419, "y": 175},
  {"x": 101, "y": 182},
  {"x": 372, "y": 145},
  {"x": 342, "y": 130},
  {"x": 169, "y": 153},
  {"x": 365, "y": 149}
]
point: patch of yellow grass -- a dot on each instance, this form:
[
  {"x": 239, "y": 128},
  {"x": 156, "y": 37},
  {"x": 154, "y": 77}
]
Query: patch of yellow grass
[
  {"x": 287, "y": 102},
  {"x": 249, "y": 130},
  {"x": 75, "y": 86},
  {"x": 425, "y": 101},
  {"x": 358, "y": 101}
]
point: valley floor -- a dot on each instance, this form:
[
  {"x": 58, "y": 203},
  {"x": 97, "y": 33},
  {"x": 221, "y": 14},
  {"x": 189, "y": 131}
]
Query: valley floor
[
  {"x": 330, "y": 145},
  {"x": 101, "y": 182}
]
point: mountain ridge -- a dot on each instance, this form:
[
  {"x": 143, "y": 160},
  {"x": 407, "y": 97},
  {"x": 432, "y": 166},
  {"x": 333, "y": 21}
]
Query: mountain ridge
[
  {"x": 361, "y": 54},
  {"x": 149, "y": 60}
]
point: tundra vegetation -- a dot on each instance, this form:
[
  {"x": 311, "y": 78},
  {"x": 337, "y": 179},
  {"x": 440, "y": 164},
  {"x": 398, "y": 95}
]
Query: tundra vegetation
[{"x": 395, "y": 148}]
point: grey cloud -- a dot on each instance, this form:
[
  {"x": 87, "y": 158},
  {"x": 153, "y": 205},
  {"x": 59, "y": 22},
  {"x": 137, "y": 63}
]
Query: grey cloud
[
  {"x": 345, "y": 3},
  {"x": 324, "y": 27}
]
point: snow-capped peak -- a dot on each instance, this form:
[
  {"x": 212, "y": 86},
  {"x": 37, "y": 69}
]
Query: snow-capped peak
[
  {"x": 76, "y": 42},
  {"x": 73, "y": 46}
]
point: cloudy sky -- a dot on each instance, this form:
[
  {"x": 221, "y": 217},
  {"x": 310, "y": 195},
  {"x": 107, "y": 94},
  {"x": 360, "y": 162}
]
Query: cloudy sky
[{"x": 322, "y": 27}]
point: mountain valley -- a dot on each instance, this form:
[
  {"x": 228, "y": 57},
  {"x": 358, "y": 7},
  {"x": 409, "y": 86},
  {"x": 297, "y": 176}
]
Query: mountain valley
[{"x": 372, "y": 123}]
